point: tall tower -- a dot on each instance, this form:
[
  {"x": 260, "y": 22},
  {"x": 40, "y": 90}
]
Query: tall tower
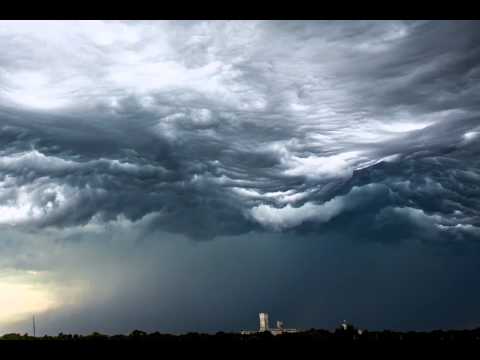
[{"x": 264, "y": 322}]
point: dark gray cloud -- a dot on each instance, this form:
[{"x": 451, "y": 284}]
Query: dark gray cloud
[{"x": 361, "y": 131}]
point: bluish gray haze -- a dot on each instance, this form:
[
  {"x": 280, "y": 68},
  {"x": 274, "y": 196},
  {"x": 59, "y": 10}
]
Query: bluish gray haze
[{"x": 184, "y": 176}]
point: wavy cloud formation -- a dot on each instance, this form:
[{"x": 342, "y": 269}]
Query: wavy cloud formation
[{"x": 228, "y": 127}]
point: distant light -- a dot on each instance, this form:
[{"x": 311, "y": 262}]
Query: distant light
[{"x": 19, "y": 300}]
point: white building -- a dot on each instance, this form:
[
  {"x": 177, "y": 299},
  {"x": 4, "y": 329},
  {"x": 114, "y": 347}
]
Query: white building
[{"x": 265, "y": 326}]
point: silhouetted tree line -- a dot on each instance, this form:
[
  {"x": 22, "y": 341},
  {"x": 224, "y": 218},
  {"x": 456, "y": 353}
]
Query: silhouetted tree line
[{"x": 312, "y": 336}]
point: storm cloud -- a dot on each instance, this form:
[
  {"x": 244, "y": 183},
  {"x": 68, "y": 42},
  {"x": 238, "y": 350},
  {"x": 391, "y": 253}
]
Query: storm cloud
[{"x": 364, "y": 131}]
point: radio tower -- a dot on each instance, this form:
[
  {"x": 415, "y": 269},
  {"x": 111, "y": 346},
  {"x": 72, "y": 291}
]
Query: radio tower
[{"x": 34, "y": 326}]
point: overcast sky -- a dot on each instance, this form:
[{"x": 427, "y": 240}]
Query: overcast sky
[{"x": 184, "y": 176}]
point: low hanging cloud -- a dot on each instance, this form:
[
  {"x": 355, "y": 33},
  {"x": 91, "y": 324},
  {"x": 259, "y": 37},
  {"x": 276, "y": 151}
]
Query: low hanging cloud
[{"x": 288, "y": 216}]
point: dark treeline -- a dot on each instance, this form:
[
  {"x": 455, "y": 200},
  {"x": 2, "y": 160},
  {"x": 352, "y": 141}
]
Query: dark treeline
[
  {"x": 312, "y": 336},
  {"x": 326, "y": 344}
]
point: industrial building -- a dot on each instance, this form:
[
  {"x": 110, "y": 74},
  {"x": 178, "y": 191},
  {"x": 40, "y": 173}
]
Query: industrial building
[{"x": 265, "y": 326}]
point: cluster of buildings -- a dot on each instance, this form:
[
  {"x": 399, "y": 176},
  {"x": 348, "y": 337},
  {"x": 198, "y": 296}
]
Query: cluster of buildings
[
  {"x": 280, "y": 329},
  {"x": 265, "y": 326}
]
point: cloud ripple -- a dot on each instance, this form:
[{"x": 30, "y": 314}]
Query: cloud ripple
[{"x": 221, "y": 128}]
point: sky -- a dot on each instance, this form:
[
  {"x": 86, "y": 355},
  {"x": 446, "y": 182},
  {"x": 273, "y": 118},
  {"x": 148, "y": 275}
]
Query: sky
[{"x": 182, "y": 176}]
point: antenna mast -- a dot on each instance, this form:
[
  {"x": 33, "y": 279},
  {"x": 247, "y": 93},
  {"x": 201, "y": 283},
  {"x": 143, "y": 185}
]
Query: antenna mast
[{"x": 34, "y": 326}]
